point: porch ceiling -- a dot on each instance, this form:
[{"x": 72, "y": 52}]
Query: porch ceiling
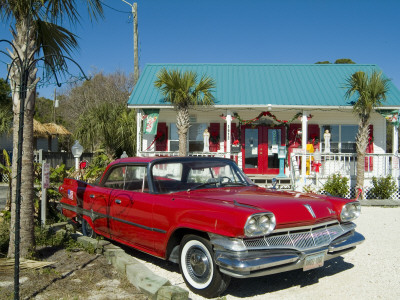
[{"x": 315, "y": 85}]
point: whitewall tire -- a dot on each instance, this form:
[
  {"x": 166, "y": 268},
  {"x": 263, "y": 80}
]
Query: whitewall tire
[{"x": 198, "y": 268}]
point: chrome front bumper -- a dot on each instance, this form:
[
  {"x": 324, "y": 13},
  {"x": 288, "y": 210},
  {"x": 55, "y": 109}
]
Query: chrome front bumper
[{"x": 260, "y": 261}]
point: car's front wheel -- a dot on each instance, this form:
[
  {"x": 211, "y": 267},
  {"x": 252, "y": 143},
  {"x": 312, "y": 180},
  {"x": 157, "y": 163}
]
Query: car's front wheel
[{"x": 198, "y": 267}]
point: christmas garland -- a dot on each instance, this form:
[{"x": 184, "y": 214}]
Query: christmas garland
[{"x": 269, "y": 114}]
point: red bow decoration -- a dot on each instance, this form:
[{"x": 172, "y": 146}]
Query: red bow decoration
[
  {"x": 316, "y": 166},
  {"x": 359, "y": 191}
]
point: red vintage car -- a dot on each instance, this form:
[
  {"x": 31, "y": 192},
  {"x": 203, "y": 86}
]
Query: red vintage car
[{"x": 206, "y": 215}]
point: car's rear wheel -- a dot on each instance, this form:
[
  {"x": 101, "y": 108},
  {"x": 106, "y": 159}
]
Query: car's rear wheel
[
  {"x": 87, "y": 230},
  {"x": 198, "y": 268}
]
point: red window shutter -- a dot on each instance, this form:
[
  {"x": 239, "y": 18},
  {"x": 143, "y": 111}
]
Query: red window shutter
[
  {"x": 214, "y": 137},
  {"x": 313, "y": 135},
  {"x": 162, "y": 137}
]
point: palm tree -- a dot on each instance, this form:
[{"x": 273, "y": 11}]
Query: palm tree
[
  {"x": 95, "y": 130},
  {"x": 183, "y": 91},
  {"x": 371, "y": 93},
  {"x": 37, "y": 30}
]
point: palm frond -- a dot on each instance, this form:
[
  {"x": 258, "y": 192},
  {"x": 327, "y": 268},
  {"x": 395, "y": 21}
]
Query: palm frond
[
  {"x": 182, "y": 90},
  {"x": 55, "y": 41},
  {"x": 58, "y": 10},
  {"x": 371, "y": 91}
]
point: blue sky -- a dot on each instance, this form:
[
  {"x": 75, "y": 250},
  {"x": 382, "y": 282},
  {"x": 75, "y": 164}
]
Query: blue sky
[{"x": 253, "y": 31}]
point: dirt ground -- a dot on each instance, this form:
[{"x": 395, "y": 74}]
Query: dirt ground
[{"x": 75, "y": 274}]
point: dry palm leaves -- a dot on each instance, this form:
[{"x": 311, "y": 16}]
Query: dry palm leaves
[
  {"x": 44, "y": 130},
  {"x": 55, "y": 129},
  {"x": 7, "y": 264},
  {"x": 39, "y": 130}
]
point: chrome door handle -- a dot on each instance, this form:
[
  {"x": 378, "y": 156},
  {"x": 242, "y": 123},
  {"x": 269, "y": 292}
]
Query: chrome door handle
[
  {"x": 91, "y": 196},
  {"x": 118, "y": 201}
]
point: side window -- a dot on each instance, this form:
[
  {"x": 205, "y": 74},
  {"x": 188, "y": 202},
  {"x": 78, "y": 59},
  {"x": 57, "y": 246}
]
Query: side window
[
  {"x": 116, "y": 178},
  {"x": 131, "y": 178},
  {"x": 136, "y": 179}
]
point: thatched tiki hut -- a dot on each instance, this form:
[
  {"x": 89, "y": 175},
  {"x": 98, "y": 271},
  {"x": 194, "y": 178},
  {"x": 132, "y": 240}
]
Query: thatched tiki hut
[{"x": 48, "y": 130}]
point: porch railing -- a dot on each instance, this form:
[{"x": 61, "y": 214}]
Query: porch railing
[
  {"x": 199, "y": 154},
  {"x": 325, "y": 164}
]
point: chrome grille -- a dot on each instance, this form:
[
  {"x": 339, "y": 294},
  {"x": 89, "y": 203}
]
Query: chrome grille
[{"x": 301, "y": 240}]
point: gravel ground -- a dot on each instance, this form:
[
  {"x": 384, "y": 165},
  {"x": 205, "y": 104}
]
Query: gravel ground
[
  {"x": 372, "y": 271},
  {"x": 74, "y": 275}
]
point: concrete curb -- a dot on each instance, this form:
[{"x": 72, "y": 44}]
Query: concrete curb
[{"x": 152, "y": 285}]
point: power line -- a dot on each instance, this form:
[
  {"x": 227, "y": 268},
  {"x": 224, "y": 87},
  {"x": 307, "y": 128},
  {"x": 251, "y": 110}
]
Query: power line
[{"x": 117, "y": 10}]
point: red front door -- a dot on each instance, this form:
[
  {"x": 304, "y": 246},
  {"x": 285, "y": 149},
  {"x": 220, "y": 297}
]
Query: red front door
[{"x": 260, "y": 149}]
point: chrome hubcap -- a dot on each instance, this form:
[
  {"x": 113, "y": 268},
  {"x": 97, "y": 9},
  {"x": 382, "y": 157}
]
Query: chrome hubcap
[{"x": 198, "y": 265}]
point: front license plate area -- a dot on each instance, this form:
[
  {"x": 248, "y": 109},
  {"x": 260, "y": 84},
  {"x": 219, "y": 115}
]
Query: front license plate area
[{"x": 314, "y": 261}]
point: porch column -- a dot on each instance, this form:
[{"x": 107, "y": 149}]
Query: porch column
[
  {"x": 304, "y": 145},
  {"x": 395, "y": 140},
  {"x": 138, "y": 131},
  {"x": 228, "y": 132},
  {"x": 395, "y": 147}
]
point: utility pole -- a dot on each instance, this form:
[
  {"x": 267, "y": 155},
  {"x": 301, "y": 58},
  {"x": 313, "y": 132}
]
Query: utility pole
[{"x": 135, "y": 41}]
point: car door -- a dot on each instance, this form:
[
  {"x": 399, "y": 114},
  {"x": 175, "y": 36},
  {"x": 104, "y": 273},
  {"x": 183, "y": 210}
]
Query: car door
[
  {"x": 97, "y": 207},
  {"x": 131, "y": 208}
]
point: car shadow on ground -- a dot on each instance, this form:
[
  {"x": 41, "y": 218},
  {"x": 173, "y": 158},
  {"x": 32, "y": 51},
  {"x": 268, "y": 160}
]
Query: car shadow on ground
[
  {"x": 164, "y": 264},
  {"x": 249, "y": 287}
]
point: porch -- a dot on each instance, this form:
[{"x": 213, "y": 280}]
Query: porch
[{"x": 319, "y": 166}]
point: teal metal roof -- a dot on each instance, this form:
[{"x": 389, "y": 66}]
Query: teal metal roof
[{"x": 262, "y": 84}]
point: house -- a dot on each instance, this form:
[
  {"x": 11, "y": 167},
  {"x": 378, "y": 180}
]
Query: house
[{"x": 263, "y": 110}]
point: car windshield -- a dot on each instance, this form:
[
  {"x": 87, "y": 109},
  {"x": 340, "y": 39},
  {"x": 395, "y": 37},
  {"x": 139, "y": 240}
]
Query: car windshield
[{"x": 184, "y": 175}]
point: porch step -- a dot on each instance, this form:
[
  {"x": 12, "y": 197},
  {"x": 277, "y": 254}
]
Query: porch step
[{"x": 266, "y": 181}]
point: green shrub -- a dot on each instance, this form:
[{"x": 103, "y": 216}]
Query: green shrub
[
  {"x": 337, "y": 185},
  {"x": 383, "y": 187}
]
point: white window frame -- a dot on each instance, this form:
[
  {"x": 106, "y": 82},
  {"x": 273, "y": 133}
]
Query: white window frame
[{"x": 340, "y": 134}]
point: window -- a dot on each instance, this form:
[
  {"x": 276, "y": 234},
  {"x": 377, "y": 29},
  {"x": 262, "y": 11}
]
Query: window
[
  {"x": 127, "y": 178},
  {"x": 173, "y": 138},
  {"x": 348, "y": 138},
  {"x": 172, "y": 176},
  {"x": 195, "y": 137},
  {"x": 343, "y": 138},
  {"x": 196, "y": 140}
]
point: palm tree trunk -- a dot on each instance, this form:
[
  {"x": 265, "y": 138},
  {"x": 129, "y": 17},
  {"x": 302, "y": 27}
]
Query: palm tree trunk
[
  {"x": 361, "y": 145},
  {"x": 25, "y": 51},
  {"x": 183, "y": 124}
]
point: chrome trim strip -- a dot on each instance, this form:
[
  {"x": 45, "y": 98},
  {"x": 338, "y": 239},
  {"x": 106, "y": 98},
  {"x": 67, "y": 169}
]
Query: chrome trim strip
[
  {"x": 301, "y": 240},
  {"x": 310, "y": 210},
  {"x": 261, "y": 263},
  {"x": 96, "y": 215},
  {"x": 305, "y": 227}
]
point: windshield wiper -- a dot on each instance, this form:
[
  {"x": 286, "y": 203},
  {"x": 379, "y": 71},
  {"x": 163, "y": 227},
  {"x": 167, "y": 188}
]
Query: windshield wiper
[
  {"x": 209, "y": 181},
  {"x": 234, "y": 184}
]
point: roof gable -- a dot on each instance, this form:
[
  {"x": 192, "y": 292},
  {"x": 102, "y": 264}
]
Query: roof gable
[{"x": 263, "y": 84}]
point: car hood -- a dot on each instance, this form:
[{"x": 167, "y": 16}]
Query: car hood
[{"x": 289, "y": 208}]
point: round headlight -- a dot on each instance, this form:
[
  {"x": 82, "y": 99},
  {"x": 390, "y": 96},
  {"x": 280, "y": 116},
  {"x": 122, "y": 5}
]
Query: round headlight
[
  {"x": 350, "y": 211},
  {"x": 259, "y": 224}
]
